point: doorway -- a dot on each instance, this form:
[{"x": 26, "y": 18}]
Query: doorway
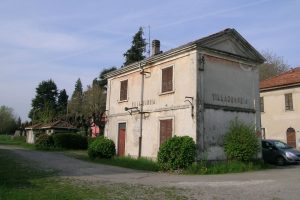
[{"x": 121, "y": 139}]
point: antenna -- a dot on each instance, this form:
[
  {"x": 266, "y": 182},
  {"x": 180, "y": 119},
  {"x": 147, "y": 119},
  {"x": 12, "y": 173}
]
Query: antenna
[{"x": 149, "y": 41}]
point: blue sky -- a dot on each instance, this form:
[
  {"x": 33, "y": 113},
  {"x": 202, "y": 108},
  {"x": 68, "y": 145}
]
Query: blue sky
[{"x": 67, "y": 40}]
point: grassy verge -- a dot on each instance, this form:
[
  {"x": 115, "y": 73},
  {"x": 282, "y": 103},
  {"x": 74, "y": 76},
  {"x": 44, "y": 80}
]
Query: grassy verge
[
  {"x": 19, "y": 140},
  {"x": 128, "y": 162},
  {"x": 204, "y": 168},
  {"x": 19, "y": 180}
]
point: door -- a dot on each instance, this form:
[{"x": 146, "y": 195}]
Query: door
[
  {"x": 166, "y": 129},
  {"x": 121, "y": 139},
  {"x": 291, "y": 137}
]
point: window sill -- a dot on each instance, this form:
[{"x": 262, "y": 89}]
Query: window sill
[
  {"x": 169, "y": 92},
  {"x": 122, "y": 101},
  {"x": 288, "y": 110}
]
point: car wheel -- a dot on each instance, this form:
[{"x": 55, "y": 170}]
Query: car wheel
[{"x": 280, "y": 160}]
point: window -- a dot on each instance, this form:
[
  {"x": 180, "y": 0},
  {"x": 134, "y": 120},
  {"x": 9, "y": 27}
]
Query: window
[
  {"x": 262, "y": 107},
  {"x": 123, "y": 90},
  {"x": 167, "y": 79},
  {"x": 166, "y": 129},
  {"x": 288, "y": 101}
]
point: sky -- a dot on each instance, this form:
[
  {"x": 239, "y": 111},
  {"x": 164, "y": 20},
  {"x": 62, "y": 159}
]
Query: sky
[{"x": 71, "y": 39}]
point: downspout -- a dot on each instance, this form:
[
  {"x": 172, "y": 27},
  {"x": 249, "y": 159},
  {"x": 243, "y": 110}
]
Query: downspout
[
  {"x": 141, "y": 111},
  {"x": 201, "y": 138}
]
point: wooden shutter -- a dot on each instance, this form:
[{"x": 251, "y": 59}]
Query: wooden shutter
[
  {"x": 262, "y": 107},
  {"x": 167, "y": 79},
  {"x": 123, "y": 90},
  {"x": 288, "y": 101},
  {"x": 166, "y": 129}
]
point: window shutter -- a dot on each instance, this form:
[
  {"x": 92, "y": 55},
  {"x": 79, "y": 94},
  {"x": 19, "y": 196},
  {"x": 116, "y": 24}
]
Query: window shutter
[
  {"x": 288, "y": 101},
  {"x": 167, "y": 79},
  {"x": 262, "y": 107},
  {"x": 166, "y": 130},
  {"x": 123, "y": 90}
]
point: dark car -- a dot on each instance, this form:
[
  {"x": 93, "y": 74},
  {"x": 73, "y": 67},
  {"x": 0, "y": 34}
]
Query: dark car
[{"x": 275, "y": 151}]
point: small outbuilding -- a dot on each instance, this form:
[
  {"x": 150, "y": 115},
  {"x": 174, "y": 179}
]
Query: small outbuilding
[{"x": 56, "y": 127}]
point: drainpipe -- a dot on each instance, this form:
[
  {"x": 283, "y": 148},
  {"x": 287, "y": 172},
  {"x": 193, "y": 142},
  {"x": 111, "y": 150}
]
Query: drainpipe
[
  {"x": 201, "y": 61},
  {"x": 141, "y": 111}
]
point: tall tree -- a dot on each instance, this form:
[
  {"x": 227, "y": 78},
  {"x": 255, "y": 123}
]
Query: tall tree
[
  {"x": 137, "y": 49},
  {"x": 62, "y": 102},
  {"x": 8, "y": 121},
  {"x": 273, "y": 66},
  {"x": 75, "y": 104},
  {"x": 44, "y": 104}
]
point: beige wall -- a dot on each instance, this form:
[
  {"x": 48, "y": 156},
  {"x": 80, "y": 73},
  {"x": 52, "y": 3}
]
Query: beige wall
[
  {"x": 160, "y": 106},
  {"x": 275, "y": 119}
]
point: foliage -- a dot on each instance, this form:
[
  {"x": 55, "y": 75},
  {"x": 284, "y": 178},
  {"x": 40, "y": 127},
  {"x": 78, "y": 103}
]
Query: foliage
[
  {"x": 241, "y": 142},
  {"x": 75, "y": 104},
  {"x": 102, "y": 81},
  {"x": 273, "y": 66},
  {"x": 44, "y": 104},
  {"x": 137, "y": 49},
  {"x": 8, "y": 121},
  {"x": 203, "y": 167},
  {"x": 62, "y": 102},
  {"x": 44, "y": 141},
  {"x": 177, "y": 153},
  {"x": 101, "y": 147},
  {"x": 70, "y": 141}
]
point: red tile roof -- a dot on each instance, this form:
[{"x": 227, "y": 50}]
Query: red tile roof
[{"x": 286, "y": 79}]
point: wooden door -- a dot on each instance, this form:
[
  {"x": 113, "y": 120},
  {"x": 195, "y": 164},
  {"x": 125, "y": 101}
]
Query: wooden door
[
  {"x": 166, "y": 129},
  {"x": 291, "y": 137},
  {"x": 121, "y": 139}
]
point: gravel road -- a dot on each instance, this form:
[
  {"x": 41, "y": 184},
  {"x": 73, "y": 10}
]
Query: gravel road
[{"x": 281, "y": 183}]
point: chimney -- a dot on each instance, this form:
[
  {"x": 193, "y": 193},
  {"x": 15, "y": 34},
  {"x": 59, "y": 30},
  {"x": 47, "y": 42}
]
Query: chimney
[{"x": 155, "y": 47}]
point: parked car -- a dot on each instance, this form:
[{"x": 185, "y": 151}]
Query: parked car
[{"x": 275, "y": 151}]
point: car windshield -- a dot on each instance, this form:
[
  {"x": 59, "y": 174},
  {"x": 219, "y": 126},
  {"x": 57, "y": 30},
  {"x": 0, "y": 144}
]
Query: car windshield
[{"x": 281, "y": 145}]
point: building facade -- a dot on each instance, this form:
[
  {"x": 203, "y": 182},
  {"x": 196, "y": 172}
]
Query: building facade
[
  {"x": 280, "y": 107},
  {"x": 194, "y": 90}
]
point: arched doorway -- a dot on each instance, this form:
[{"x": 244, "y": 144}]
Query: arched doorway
[{"x": 291, "y": 137}]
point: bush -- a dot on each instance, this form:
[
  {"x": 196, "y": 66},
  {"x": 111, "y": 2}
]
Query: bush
[
  {"x": 70, "y": 141},
  {"x": 44, "y": 141},
  {"x": 177, "y": 153},
  {"x": 240, "y": 142},
  {"x": 102, "y": 147}
]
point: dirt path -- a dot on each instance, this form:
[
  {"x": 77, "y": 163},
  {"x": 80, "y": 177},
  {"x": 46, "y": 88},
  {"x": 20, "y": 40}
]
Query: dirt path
[{"x": 269, "y": 184}]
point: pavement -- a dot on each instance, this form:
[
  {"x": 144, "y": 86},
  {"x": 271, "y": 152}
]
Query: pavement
[{"x": 273, "y": 184}]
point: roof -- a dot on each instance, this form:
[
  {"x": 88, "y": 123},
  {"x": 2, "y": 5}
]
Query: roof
[
  {"x": 34, "y": 126},
  {"x": 52, "y": 125},
  {"x": 286, "y": 79},
  {"x": 58, "y": 125},
  {"x": 202, "y": 42}
]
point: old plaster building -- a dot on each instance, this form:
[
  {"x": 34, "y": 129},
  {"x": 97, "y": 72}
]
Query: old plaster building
[
  {"x": 280, "y": 107},
  {"x": 195, "y": 90}
]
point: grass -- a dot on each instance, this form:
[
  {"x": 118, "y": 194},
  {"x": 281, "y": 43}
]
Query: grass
[
  {"x": 204, "y": 168},
  {"x": 15, "y": 140},
  {"x": 128, "y": 162},
  {"x": 21, "y": 181}
]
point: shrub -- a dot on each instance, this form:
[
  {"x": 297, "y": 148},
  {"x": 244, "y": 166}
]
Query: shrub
[
  {"x": 102, "y": 147},
  {"x": 44, "y": 141},
  {"x": 70, "y": 141},
  {"x": 240, "y": 142},
  {"x": 177, "y": 153}
]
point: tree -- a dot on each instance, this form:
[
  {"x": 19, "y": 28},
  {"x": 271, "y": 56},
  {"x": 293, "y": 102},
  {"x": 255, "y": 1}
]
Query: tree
[
  {"x": 273, "y": 66},
  {"x": 44, "y": 104},
  {"x": 8, "y": 121},
  {"x": 102, "y": 81},
  {"x": 75, "y": 104},
  {"x": 94, "y": 104},
  {"x": 137, "y": 49},
  {"x": 62, "y": 102}
]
